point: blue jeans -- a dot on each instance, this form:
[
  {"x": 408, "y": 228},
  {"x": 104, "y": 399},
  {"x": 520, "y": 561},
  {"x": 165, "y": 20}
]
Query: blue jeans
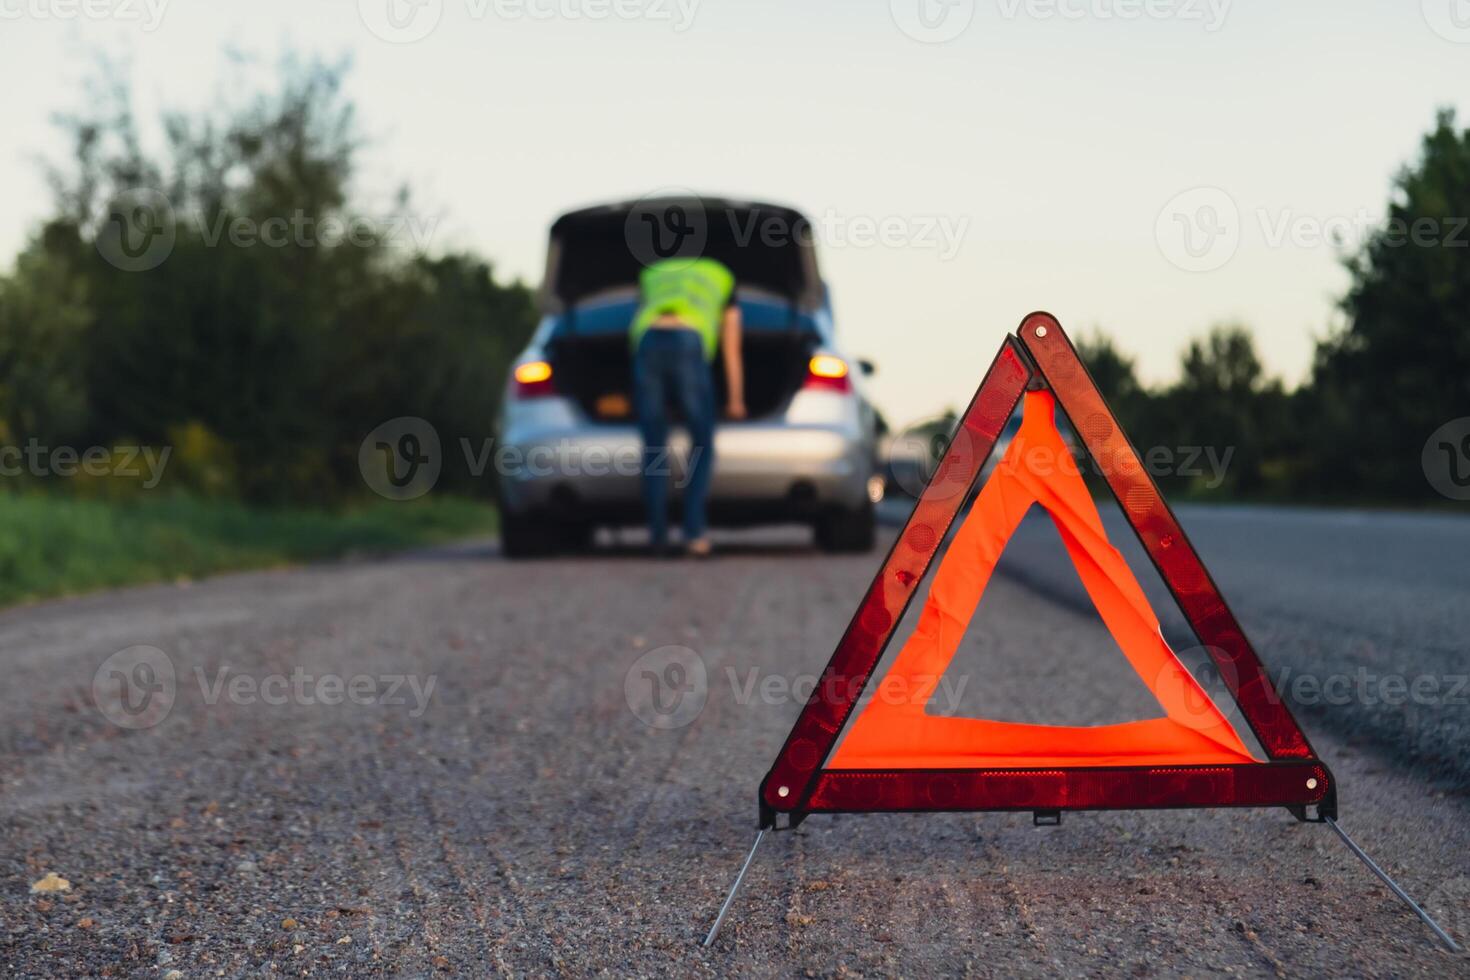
[{"x": 670, "y": 365}]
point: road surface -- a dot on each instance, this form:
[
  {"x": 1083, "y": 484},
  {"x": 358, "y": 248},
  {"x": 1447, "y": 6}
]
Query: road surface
[{"x": 486, "y": 799}]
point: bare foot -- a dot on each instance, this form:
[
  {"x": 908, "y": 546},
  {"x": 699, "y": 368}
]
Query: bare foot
[{"x": 699, "y": 548}]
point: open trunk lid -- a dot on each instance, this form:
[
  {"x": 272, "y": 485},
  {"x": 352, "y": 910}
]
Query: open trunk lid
[
  {"x": 591, "y": 289},
  {"x": 599, "y": 251}
]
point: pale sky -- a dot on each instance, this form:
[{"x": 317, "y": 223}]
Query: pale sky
[{"x": 1019, "y": 154}]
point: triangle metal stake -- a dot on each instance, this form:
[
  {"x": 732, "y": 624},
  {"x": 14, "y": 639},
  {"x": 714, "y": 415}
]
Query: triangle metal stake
[
  {"x": 714, "y": 930},
  {"x": 1363, "y": 856}
]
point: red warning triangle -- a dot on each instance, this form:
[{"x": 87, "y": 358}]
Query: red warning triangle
[
  {"x": 895, "y": 728},
  {"x": 896, "y": 756}
]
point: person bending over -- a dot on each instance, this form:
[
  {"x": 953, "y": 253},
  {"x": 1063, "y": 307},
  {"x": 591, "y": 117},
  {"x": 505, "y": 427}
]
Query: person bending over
[{"x": 687, "y": 313}]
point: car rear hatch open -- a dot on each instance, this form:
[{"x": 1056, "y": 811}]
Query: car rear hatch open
[{"x": 591, "y": 291}]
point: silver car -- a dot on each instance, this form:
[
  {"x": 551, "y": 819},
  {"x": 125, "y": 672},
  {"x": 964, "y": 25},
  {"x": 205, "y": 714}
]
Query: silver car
[{"x": 569, "y": 451}]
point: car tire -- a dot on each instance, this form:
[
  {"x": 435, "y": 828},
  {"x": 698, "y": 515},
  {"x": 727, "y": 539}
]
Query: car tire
[
  {"x": 847, "y": 531},
  {"x": 523, "y": 536}
]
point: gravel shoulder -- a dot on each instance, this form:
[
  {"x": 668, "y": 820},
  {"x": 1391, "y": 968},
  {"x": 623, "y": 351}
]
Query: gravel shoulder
[{"x": 519, "y": 817}]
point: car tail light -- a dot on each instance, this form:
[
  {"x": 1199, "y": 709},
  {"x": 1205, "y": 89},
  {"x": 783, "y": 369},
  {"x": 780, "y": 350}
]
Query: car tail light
[
  {"x": 828, "y": 373},
  {"x": 533, "y": 380}
]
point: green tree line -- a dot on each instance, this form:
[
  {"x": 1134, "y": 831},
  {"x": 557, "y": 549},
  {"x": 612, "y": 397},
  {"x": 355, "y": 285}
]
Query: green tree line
[
  {"x": 229, "y": 297},
  {"x": 284, "y": 320}
]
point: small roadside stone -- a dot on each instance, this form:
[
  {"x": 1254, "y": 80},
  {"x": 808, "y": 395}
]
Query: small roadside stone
[{"x": 52, "y": 882}]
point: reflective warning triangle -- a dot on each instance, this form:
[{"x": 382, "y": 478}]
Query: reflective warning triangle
[{"x": 896, "y": 756}]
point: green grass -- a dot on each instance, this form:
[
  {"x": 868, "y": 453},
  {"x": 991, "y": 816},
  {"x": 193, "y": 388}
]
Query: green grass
[{"x": 57, "y": 545}]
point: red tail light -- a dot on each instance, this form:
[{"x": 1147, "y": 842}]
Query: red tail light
[
  {"x": 825, "y": 372},
  {"x": 533, "y": 380}
]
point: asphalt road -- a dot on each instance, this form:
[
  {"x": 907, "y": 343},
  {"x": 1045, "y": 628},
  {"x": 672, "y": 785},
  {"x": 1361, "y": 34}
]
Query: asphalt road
[{"x": 520, "y": 817}]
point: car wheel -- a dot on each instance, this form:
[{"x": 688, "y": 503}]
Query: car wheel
[
  {"x": 841, "y": 530},
  {"x": 523, "y": 536}
]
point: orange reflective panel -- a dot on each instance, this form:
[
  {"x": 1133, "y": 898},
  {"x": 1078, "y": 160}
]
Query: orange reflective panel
[{"x": 895, "y": 731}]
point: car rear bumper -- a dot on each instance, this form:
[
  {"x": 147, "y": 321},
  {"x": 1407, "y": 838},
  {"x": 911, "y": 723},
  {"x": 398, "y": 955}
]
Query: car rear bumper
[{"x": 763, "y": 471}]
